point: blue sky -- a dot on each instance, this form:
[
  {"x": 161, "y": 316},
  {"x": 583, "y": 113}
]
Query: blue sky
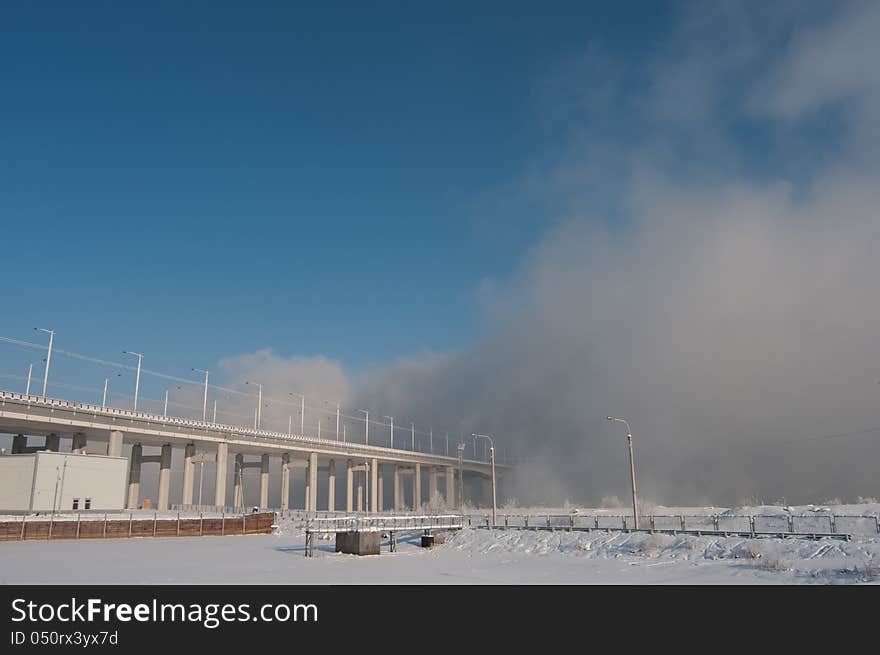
[{"x": 206, "y": 179}]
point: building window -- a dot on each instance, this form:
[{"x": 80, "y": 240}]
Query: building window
[
  {"x": 88, "y": 503},
  {"x": 76, "y": 503}
]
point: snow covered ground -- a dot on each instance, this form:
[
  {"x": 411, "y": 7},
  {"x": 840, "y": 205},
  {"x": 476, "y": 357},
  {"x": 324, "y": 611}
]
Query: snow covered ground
[{"x": 469, "y": 556}]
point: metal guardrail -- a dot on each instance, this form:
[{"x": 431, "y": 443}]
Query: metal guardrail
[
  {"x": 238, "y": 430},
  {"x": 384, "y": 523},
  {"x": 782, "y": 525}
]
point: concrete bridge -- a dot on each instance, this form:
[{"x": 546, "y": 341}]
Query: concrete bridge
[{"x": 96, "y": 430}]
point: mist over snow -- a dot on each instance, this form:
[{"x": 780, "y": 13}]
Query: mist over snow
[{"x": 708, "y": 269}]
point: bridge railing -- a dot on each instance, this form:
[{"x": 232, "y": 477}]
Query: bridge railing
[
  {"x": 238, "y": 430},
  {"x": 384, "y": 523}
]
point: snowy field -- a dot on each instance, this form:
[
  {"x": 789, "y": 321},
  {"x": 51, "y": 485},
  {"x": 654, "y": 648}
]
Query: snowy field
[{"x": 469, "y": 556}]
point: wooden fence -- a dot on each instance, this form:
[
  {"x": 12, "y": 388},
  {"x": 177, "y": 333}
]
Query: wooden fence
[{"x": 122, "y": 528}]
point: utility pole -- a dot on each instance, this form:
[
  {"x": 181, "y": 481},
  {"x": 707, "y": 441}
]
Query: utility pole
[{"x": 492, "y": 457}]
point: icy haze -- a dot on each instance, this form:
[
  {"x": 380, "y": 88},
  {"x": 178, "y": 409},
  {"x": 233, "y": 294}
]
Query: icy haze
[{"x": 708, "y": 269}]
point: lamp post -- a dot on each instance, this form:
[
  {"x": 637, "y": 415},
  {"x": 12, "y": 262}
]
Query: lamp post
[
  {"x": 392, "y": 429},
  {"x": 413, "y": 427},
  {"x": 258, "y": 415},
  {"x": 632, "y": 468},
  {"x": 366, "y": 426},
  {"x": 205, "y": 400},
  {"x": 492, "y": 457},
  {"x": 137, "y": 377},
  {"x": 460, "y": 474},
  {"x": 27, "y": 391},
  {"x": 51, "y": 334},
  {"x": 302, "y": 411}
]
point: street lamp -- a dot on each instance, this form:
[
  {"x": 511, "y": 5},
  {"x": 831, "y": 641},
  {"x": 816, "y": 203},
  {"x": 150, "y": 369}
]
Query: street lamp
[
  {"x": 137, "y": 378},
  {"x": 392, "y": 429},
  {"x": 205, "y": 401},
  {"x": 413, "y": 427},
  {"x": 492, "y": 457},
  {"x": 51, "y": 334},
  {"x": 258, "y": 415},
  {"x": 366, "y": 426},
  {"x": 27, "y": 391},
  {"x": 632, "y": 468},
  {"x": 302, "y": 411}
]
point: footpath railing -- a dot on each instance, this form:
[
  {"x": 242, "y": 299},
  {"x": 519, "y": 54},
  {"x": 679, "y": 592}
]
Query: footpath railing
[
  {"x": 95, "y": 526},
  {"x": 778, "y": 525},
  {"x": 384, "y": 523}
]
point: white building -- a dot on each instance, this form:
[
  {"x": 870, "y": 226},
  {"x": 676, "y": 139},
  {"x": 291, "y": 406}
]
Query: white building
[{"x": 45, "y": 481}]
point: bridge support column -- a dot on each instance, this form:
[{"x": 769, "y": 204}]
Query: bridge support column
[
  {"x": 285, "y": 482},
  {"x": 220, "y": 480},
  {"x": 134, "y": 476},
  {"x": 374, "y": 485},
  {"x": 433, "y": 486},
  {"x": 417, "y": 487},
  {"x": 264, "y": 481},
  {"x": 164, "y": 478},
  {"x": 53, "y": 443},
  {"x": 313, "y": 482},
  {"x": 331, "y": 486},
  {"x": 450, "y": 487},
  {"x": 380, "y": 497},
  {"x": 360, "y": 491},
  {"x": 19, "y": 444},
  {"x": 349, "y": 484},
  {"x": 398, "y": 496},
  {"x": 114, "y": 447},
  {"x": 189, "y": 470},
  {"x": 79, "y": 443},
  {"x": 237, "y": 495}
]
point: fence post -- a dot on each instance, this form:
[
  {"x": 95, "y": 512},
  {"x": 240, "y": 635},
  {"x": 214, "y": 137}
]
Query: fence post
[
  {"x": 23, "y": 517},
  {"x": 623, "y": 521},
  {"x": 130, "y": 518},
  {"x": 178, "y": 524},
  {"x": 104, "y": 531},
  {"x": 715, "y": 522},
  {"x": 570, "y": 522},
  {"x": 51, "y": 524},
  {"x": 877, "y": 523},
  {"x": 790, "y": 523},
  {"x": 596, "y": 517},
  {"x": 155, "y": 518},
  {"x": 244, "y": 523},
  {"x": 752, "y": 524},
  {"x": 78, "y": 519},
  {"x": 223, "y": 522},
  {"x": 652, "y": 523},
  {"x": 682, "y": 521},
  {"x": 201, "y": 521}
]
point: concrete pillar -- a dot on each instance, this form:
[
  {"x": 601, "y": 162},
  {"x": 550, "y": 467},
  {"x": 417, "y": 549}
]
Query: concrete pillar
[
  {"x": 313, "y": 482},
  {"x": 331, "y": 486},
  {"x": 164, "y": 478},
  {"x": 450, "y": 487},
  {"x": 285, "y": 482},
  {"x": 237, "y": 492},
  {"x": 189, "y": 470},
  {"x": 264, "y": 481},
  {"x": 398, "y": 496},
  {"x": 79, "y": 443},
  {"x": 220, "y": 481},
  {"x": 19, "y": 443},
  {"x": 349, "y": 484},
  {"x": 433, "y": 487},
  {"x": 417, "y": 487},
  {"x": 53, "y": 443},
  {"x": 360, "y": 495},
  {"x": 114, "y": 448},
  {"x": 381, "y": 495},
  {"x": 374, "y": 485},
  {"x": 134, "y": 476}
]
